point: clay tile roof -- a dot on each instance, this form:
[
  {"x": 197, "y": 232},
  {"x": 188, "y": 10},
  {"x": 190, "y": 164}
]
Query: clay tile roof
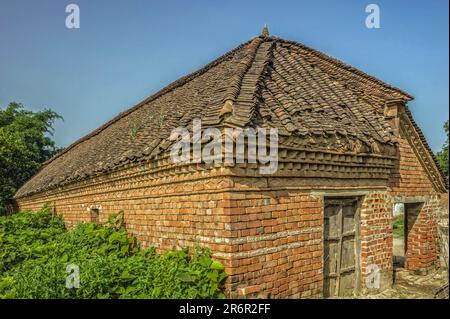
[{"x": 282, "y": 83}]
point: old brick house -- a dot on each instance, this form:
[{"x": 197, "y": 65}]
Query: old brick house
[{"x": 349, "y": 149}]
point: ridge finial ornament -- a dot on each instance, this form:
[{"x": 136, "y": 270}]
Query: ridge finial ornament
[{"x": 265, "y": 32}]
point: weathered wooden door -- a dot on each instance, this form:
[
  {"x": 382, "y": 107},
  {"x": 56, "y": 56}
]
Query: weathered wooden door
[{"x": 341, "y": 247}]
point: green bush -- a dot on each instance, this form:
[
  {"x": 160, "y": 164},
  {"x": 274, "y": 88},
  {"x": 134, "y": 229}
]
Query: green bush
[
  {"x": 24, "y": 236},
  {"x": 35, "y": 250}
]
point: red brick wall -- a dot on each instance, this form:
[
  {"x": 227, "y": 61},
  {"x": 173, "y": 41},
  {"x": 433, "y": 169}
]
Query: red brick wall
[
  {"x": 409, "y": 178},
  {"x": 269, "y": 241},
  {"x": 165, "y": 216},
  {"x": 422, "y": 251},
  {"x": 376, "y": 236},
  {"x": 277, "y": 244}
]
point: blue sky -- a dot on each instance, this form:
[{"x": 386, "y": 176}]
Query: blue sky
[{"x": 127, "y": 50}]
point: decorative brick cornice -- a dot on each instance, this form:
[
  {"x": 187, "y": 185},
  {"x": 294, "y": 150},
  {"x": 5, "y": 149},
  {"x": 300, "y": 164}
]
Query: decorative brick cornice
[{"x": 293, "y": 163}]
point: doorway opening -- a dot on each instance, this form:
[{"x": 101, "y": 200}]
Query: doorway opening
[
  {"x": 404, "y": 218},
  {"x": 399, "y": 235}
]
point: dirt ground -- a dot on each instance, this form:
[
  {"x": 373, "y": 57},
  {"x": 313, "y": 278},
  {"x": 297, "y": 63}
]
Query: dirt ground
[{"x": 409, "y": 286}]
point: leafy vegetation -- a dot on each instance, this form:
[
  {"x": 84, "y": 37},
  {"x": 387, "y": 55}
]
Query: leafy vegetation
[
  {"x": 162, "y": 119},
  {"x": 442, "y": 155},
  {"x": 25, "y": 142},
  {"x": 134, "y": 130},
  {"x": 35, "y": 250},
  {"x": 399, "y": 227}
]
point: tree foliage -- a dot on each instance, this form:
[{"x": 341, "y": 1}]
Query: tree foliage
[
  {"x": 26, "y": 140},
  {"x": 442, "y": 155}
]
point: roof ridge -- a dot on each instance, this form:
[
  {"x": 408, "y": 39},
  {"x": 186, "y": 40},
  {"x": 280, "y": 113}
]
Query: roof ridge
[
  {"x": 235, "y": 84},
  {"x": 345, "y": 66},
  {"x": 260, "y": 82},
  {"x": 167, "y": 89},
  {"x": 234, "y": 97}
]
